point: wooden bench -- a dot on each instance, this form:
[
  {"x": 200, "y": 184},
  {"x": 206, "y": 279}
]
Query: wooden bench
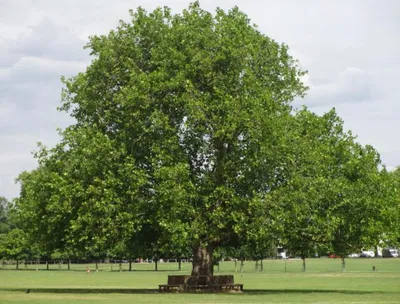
[
  {"x": 187, "y": 283},
  {"x": 232, "y": 287},
  {"x": 170, "y": 287},
  {"x": 181, "y": 287}
]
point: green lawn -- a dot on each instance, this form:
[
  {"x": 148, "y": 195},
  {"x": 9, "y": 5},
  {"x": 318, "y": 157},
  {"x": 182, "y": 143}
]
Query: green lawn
[{"x": 323, "y": 282}]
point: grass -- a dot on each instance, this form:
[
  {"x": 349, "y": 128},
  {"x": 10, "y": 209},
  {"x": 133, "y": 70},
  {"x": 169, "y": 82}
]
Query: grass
[{"x": 324, "y": 282}]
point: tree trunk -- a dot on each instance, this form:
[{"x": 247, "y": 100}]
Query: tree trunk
[
  {"x": 17, "y": 264},
  {"x": 202, "y": 264},
  {"x": 241, "y": 264},
  {"x": 156, "y": 265},
  {"x": 69, "y": 264},
  {"x": 47, "y": 265},
  {"x": 179, "y": 264},
  {"x": 256, "y": 265},
  {"x": 97, "y": 266},
  {"x": 304, "y": 264},
  {"x": 130, "y": 265},
  {"x": 235, "y": 265},
  {"x": 343, "y": 264},
  {"x": 261, "y": 265}
]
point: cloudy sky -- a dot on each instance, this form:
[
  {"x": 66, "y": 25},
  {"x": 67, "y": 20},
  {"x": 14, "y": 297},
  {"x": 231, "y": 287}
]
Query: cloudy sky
[{"x": 351, "y": 49}]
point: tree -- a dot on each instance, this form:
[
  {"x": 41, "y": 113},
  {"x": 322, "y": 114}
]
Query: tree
[
  {"x": 390, "y": 209},
  {"x": 333, "y": 194},
  {"x": 180, "y": 123},
  {"x": 357, "y": 211},
  {"x": 5, "y": 220},
  {"x": 14, "y": 246},
  {"x": 305, "y": 192}
]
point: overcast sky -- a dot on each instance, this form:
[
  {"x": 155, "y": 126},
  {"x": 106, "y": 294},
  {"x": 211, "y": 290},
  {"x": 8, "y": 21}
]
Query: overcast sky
[{"x": 351, "y": 50}]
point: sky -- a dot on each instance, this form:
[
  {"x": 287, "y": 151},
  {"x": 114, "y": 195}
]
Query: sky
[{"x": 350, "y": 48}]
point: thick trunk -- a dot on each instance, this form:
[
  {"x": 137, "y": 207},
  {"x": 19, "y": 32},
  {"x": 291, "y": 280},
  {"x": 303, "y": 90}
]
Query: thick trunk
[
  {"x": 69, "y": 264},
  {"x": 343, "y": 264},
  {"x": 261, "y": 265},
  {"x": 47, "y": 265},
  {"x": 203, "y": 261},
  {"x": 179, "y": 264},
  {"x": 17, "y": 265},
  {"x": 130, "y": 265},
  {"x": 97, "y": 266},
  {"x": 156, "y": 265}
]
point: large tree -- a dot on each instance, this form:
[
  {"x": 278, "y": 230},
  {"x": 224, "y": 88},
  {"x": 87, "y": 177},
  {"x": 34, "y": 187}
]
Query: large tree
[{"x": 180, "y": 125}]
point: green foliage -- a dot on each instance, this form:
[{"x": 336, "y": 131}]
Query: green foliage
[
  {"x": 6, "y": 221},
  {"x": 391, "y": 213},
  {"x": 13, "y": 245}
]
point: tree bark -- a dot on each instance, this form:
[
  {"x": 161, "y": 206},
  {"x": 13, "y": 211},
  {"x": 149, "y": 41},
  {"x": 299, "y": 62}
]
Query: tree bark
[
  {"x": 261, "y": 265},
  {"x": 69, "y": 264},
  {"x": 130, "y": 265},
  {"x": 203, "y": 260},
  {"x": 179, "y": 264},
  {"x": 17, "y": 265},
  {"x": 343, "y": 264}
]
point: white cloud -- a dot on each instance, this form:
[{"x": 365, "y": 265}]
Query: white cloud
[
  {"x": 27, "y": 69},
  {"x": 352, "y": 85}
]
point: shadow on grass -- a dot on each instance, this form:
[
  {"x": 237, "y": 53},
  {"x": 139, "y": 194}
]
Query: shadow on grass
[
  {"x": 94, "y": 270},
  {"x": 155, "y": 291}
]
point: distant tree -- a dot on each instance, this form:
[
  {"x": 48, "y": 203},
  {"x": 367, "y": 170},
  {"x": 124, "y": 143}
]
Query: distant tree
[
  {"x": 357, "y": 212},
  {"x": 304, "y": 194},
  {"x": 14, "y": 246},
  {"x": 390, "y": 189},
  {"x": 5, "y": 219},
  {"x": 333, "y": 194}
]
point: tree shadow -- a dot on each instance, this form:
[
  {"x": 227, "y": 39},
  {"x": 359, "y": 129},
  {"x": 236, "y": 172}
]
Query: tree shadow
[
  {"x": 307, "y": 291},
  {"x": 156, "y": 291}
]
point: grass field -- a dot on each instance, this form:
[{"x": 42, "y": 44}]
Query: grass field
[{"x": 324, "y": 282}]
